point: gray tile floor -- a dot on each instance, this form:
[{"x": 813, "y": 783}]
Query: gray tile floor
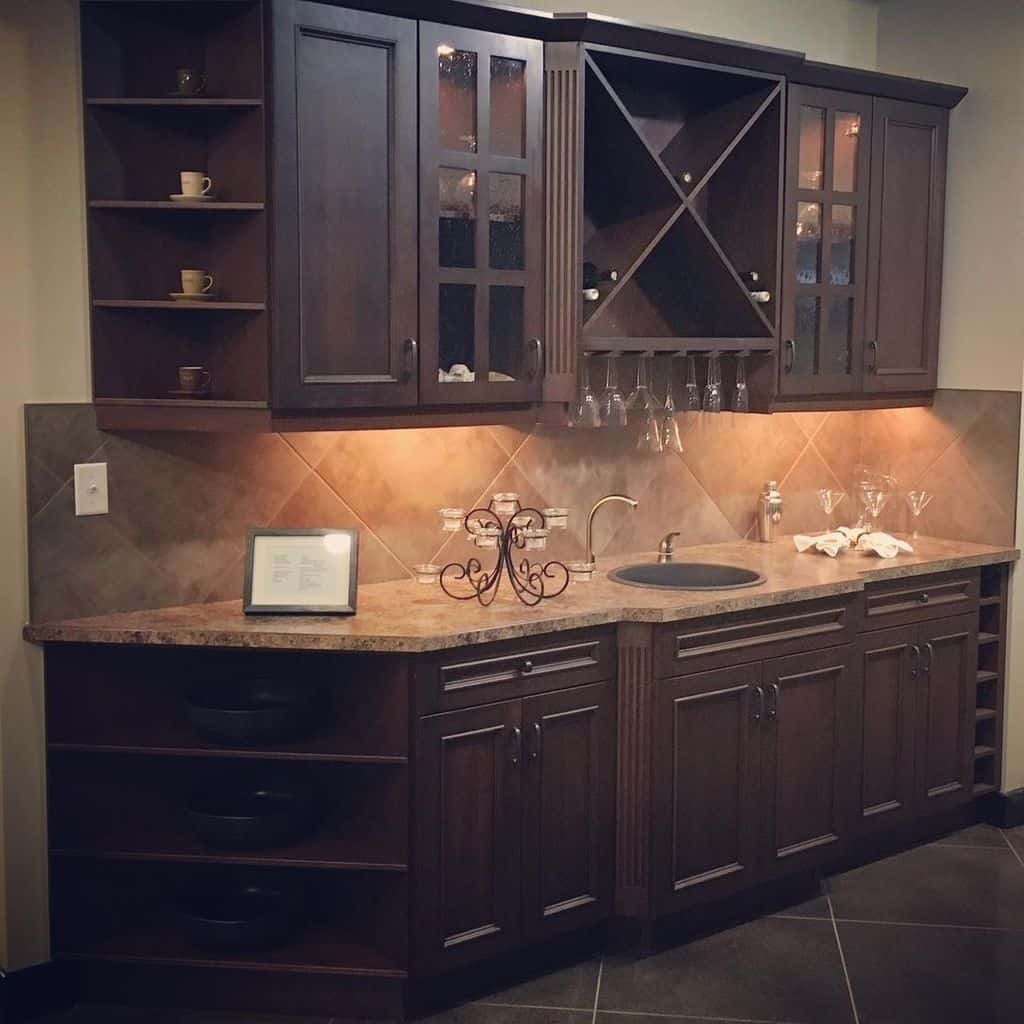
[{"x": 934, "y": 935}]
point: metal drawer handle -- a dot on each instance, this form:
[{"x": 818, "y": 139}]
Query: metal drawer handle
[
  {"x": 537, "y": 733},
  {"x": 873, "y": 349},
  {"x": 527, "y": 667},
  {"x": 923, "y": 597},
  {"x": 412, "y": 357},
  {"x": 915, "y": 661},
  {"x": 759, "y": 697},
  {"x": 517, "y": 745},
  {"x": 773, "y": 706},
  {"x": 537, "y": 358},
  {"x": 790, "y": 355},
  {"x": 931, "y": 658}
]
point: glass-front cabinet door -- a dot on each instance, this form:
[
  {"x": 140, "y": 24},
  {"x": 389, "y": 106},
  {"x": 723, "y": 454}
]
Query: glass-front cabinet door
[
  {"x": 481, "y": 190},
  {"x": 826, "y": 229}
]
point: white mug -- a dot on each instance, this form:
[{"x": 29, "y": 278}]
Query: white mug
[
  {"x": 195, "y": 183},
  {"x": 196, "y": 282}
]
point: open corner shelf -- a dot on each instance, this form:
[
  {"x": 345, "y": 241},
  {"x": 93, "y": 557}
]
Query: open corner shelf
[{"x": 214, "y": 307}]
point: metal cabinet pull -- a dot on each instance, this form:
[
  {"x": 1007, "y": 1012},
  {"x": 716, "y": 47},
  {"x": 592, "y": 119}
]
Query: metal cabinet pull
[
  {"x": 915, "y": 660},
  {"x": 923, "y": 597},
  {"x": 773, "y": 706},
  {"x": 412, "y": 357},
  {"x": 537, "y": 733},
  {"x": 790, "y": 355},
  {"x": 873, "y": 349},
  {"x": 527, "y": 667},
  {"x": 931, "y": 658},
  {"x": 537, "y": 358},
  {"x": 517, "y": 745},
  {"x": 759, "y": 697}
]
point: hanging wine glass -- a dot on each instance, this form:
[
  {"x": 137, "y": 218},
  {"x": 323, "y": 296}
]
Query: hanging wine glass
[
  {"x": 741, "y": 396},
  {"x": 670, "y": 439},
  {"x": 691, "y": 402},
  {"x": 613, "y": 405},
  {"x": 917, "y": 502},
  {"x": 586, "y": 413},
  {"x": 713, "y": 387},
  {"x": 640, "y": 398}
]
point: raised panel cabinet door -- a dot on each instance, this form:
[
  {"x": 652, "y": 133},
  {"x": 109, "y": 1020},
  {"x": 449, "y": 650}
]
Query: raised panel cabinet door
[
  {"x": 824, "y": 268},
  {"x": 345, "y": 208},
  {"x": 808, "y": 758},
  {"x": 568, "y": 809},
  {"x": 481, "y": 216},
  {"x": 908, "y": 187},
  {"x": 890, "y": 671},
  {"x": 468, "y": 830},
  {"x": 945, "y": 712},
  {"x": 706, "y": 762}
]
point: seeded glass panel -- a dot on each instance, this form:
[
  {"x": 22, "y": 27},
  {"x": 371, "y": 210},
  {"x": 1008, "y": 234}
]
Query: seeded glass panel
[
  {"x": 506, "y": 333},
  {"x": 808, "y": 243},
  {"x": 844, "y": 152},
  {"x": 841, "y": 246},
  {"x": 456, "y": 321},
  {"x": 456, "y": 99},
  {"x": 807, "y": 330},
  {"x": 456, "y": 228},
  {"x": 836, "y": 342},
  {"x": 811, "y": 172},
  {"x": 506, "y": 221},
  {"x": 508, "y": 107}
]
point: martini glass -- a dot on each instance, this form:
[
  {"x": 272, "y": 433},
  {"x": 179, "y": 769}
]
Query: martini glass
[
  {"x": 917, "y": 502},
  {"x": 829, "y": 500}
]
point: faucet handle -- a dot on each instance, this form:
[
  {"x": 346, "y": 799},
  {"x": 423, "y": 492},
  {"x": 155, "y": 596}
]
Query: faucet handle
[{"x": 665, "y": 548}]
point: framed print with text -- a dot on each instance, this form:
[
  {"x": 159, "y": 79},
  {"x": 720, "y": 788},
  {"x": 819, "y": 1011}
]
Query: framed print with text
[{"x": 311, "y": 572}]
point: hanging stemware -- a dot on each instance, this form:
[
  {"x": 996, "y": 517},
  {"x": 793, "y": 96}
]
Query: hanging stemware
[
  {"x": 640, "y": 398},
  {"x": 670, "y": 439},
  {"x": 692, "y": 399},
  {"x": 585, "y": 413},
  {"x": 741, "y": 396},
  {"x": 613, "y": 405},
  {"x": 713, "y": 387}
]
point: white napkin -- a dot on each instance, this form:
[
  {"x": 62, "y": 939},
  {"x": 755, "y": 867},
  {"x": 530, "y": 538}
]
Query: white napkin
[
  {"x": 827, "y": 543},
  {"x": 883, "y": 545}
]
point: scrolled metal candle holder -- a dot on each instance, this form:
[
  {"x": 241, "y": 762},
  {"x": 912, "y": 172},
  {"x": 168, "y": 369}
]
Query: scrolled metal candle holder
[{"x": 532, "y": 582}]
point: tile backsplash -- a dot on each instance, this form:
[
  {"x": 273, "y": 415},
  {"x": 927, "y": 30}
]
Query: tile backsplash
[{"x": 181, "y": 503}]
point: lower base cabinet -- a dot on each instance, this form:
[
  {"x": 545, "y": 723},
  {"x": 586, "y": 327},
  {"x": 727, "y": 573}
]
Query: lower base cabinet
[
  {"x": 515, "y": 817},
  {"x": 751, "y": 774}
]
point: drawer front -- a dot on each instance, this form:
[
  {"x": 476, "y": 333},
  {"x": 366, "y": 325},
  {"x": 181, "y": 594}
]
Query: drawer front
[
  {"x": 741, "y": 637},
  {"x": 897, "y": 602},
  {"x": 491, "y": 672}
]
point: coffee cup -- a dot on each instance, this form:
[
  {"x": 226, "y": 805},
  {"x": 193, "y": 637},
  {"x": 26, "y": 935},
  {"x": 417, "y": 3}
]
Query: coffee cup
[
  {"x": 193, "y": 378},
  {"x": 196, "y": 282},
  {"x": 190, "y": 81},
  {"x": 195, "y": 183}
]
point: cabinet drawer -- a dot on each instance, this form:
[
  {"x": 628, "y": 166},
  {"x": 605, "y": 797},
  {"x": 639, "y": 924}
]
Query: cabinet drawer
[
  {"x": 895, "y": 602},
  {"x": 750, "y": 636},
  {"x": 491, "y": 672}
]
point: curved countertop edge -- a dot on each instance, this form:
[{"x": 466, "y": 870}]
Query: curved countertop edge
[{"x": 439, "y": 624}]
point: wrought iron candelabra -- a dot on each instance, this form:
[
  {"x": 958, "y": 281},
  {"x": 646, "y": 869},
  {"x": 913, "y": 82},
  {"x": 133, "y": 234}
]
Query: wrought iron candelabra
[{"x": 512, "y": 531}]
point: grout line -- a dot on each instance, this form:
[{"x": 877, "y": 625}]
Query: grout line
[
  {"x": 931, "y": 924},
  {"x": 1013, "y": 849},
  {"x": 529, "y": 1006},
  {"x": 798, "y": 917},
  {"x": 842, "y": 959},
  {"x": 687, "y": 1016},
  {"x": 597, "y": 991}
]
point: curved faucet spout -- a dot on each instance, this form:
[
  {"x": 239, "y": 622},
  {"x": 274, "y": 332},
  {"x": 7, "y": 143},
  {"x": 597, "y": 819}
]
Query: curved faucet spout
[{"x": 631, "y": 502}]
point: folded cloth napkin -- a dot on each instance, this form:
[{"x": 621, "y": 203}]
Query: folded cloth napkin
[
  {"x": 828, "y": 543},
  {"x": 883, "y": 545}
]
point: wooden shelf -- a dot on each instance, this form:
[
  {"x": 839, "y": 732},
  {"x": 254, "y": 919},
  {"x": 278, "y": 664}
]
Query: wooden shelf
[
  {"x": 985, "y": 676},
  {"x": 694, "y": 346},
  {"x": 987, "y": 638},
  {"x": 182, "y": 403},
  {"x": 983, "y": 788},
  {"x": 158, "y": 102},
  {"x": 989, "y": 602},
  {"x": 985, "y": 714},
  {"x": 982, "y": 751},
  {"x": 216, "y": 206},
  {"x": 232, "y": 752},
  {"x": 222, "y": 307}
]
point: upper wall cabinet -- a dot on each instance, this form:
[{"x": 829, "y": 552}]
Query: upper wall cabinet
[{"x": 865, "y": 182}]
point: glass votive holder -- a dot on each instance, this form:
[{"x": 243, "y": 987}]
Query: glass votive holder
[
  {"x": 556, "y": 518},
  {"x": 486, "y": 536},
  {"x": 581, "y": 572},
  {"x": 452, "y": 519},
  {"x": 505, "y": 503},
  {"x": 535, "y": 538},
  {"x": 427, "y": 573}
]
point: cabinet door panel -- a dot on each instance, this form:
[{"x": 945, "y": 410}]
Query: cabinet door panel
[
  {"x": 890, "y": 670},
  {"x": 568, "y": 837},
  {"x": 468, "y": 829},
  {"x": 345, "y": 208},
  {"x": 945, "y": 716},
  {"x": 705, "y": 770},
  {"x": 908, "y": 180},
  {"x": 481, "y": 195},
  {"x": 807, "y": 757}
]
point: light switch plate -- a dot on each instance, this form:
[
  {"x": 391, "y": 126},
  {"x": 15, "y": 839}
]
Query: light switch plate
[{"x": 91, "y": 489}]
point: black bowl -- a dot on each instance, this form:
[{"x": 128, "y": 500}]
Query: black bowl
[
  {"x": 252, "y": 817},
  {"x": 248, "y": 917},
  {"x": 247, "y": 711}
]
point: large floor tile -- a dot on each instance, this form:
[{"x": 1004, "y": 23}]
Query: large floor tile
[
  {"x": 772, "y": 969},
  {"x": 572, "y": 987},
  {"x": 949, "y": 885},
  {"x": 483, "y": 1013},
  {"x": 1016, "y": 837},
  {"x": 976, "y": 835},
  {"x": 908, "y": 975},
  {"x": 643, "y": 1018}
]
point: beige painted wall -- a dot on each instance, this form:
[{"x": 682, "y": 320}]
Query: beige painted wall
[
  {"x": 979, "y": 46},
  {"x": 44, "y": 358}
]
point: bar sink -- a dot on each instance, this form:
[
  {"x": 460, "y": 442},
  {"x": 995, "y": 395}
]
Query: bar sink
[{"x": 685, "y": 576}]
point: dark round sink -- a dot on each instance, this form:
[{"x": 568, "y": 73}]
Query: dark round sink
[{"x": 685, "y": 576}]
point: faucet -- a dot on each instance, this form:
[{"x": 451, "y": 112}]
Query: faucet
[
  {"x": 665, "y": 549},
  {"x": 631, "y": 502}
]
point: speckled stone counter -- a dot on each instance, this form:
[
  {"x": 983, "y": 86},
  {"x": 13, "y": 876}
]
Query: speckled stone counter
[{"x": 409, "y": 617}]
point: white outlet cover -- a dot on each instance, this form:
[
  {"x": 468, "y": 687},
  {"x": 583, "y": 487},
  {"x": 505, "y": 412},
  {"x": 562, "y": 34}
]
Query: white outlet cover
[{"x": 91, "y": 489}]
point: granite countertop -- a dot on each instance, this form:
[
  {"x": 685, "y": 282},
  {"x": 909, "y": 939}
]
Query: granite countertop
[{"x": 410, "y": 617}]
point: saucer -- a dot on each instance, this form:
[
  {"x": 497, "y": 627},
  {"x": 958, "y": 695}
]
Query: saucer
[
  {"x": 181, "y": 393},
  {"x": 193, "y": 296},
  {"x": 177, "y": 197}
]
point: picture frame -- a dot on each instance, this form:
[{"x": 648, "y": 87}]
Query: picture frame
[{"x": 301, "y": 571}]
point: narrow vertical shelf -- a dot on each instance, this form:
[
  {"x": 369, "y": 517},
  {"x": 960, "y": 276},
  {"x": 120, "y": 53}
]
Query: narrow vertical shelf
[{"x": 990, "y": 684}]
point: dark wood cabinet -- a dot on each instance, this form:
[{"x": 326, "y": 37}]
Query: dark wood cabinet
[
  {"x": 908, "y": 187},
  {"x": 865, "y": 193},
  {"x": 345, "y": 208},
  {"x": 514, "y": 823},
  {"x": 481, "y": 199}
]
